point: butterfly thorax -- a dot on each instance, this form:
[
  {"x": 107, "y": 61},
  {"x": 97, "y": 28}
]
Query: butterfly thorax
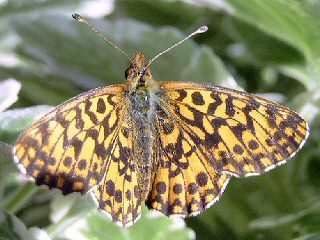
[
  {"x": 139, "y": 76},
  {"x": 140, "y": 96}
]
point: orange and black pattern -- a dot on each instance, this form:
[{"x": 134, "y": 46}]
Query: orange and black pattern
[
  {"x": 208, "y": 134},
  {"x": 70, "y": 147},
  {"x": 185, "y": 182},
  {"x": 171, "y": 145},
  {"x": 241, "y": 134},
  {"x": 118, "y": 194}
]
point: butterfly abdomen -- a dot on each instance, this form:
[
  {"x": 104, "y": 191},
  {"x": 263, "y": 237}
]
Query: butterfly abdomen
[{"x": 140, "y": 113}]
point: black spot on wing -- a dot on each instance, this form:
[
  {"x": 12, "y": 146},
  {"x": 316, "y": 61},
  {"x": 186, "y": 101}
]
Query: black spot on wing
[
  {"x": 101, "y": 106},
  {"x": 197, "y": 98}
]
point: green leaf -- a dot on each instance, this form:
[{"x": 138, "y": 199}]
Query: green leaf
[
  {"x": 265, "y": 44},
  {"x": 267, "y": 51},
  {"x": 11, "y": 7},
  {"x": 67, "y": 211},
  {"x": 294, "y": 22},
  {"x": 280, "y": 220},
  {"x": 150, "y": 224},
  {"x": 98, "y": 63},
  {"x": 160, "y": 13},
  {"x": 77, "y": 217},
  {"x": 275, "y": 51},
  {"x": 12, "y": 122},
  {"x": 9, "y": 93},
  {"x": 6, "y": 167},
  {"x": 12, "y": 228},
  {"x": 313, "y": 236}
]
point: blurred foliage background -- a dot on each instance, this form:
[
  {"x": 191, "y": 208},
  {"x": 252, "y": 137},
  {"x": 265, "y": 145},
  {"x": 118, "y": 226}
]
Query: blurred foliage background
[{"x": 271, "y": 48}]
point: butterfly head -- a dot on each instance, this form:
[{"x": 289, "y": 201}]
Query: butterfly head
[{"x": 138, "y": 74}]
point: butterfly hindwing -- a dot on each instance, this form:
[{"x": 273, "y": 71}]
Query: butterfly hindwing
[
  {"x": 185, "y": 183},
  {"x": 68, "y": 148},
  {"x": 118, "y": 195},
  {"x": 238, "y": 133}
]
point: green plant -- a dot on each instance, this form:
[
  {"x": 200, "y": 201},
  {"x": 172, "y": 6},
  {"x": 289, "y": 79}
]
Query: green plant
[{"x": 269, "y": 47}]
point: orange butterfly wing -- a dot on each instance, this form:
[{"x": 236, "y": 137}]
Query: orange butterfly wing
[
  {"x": 80, "y": 145},
  {"x": 208, "y": 134},
  {"x": 239, "y": 133}
]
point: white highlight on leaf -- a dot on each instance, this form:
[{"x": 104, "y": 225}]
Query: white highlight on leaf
[
  {"x": 61, "y": 206},
  {"x": 8, "y": 60},
  {"x": 310, "y": 110},
  {"x": 11, "y": 118},
  {"x": 74, "y": 231},
  {"x": 3, "y": 2},
  {"x": 237, "y": 50},
  {"x": 216, "y": 4},
  {"x": 232, "y": 83},
  {"x": 178, "y": 223},
  {"x": 39, "y": 234},
  {"x": 276, "y": 97},
  {"x": 97, "y": 8},
  {"x": 9, "y": 90},
  {"x": 154, "y": 214}
]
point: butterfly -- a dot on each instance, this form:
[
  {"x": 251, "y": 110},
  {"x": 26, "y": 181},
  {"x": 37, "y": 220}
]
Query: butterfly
[{"x": 171, "y": 145}]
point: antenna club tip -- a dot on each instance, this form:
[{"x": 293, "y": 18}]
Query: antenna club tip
[
  {"x": 77, "y": 17},
  {"x": 202, "y": 29}
]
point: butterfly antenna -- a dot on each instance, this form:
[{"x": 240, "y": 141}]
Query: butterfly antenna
[
  {"x": 199, "y": 30},
  {"x": 81, "y": 19}
]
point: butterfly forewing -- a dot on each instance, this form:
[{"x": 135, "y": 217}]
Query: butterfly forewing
[
  {"x": 237, "y": 132},
  {"x": 69, "y": 147}
]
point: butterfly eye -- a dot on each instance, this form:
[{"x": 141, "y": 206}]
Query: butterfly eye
[{"x": 127, "y": 72}]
